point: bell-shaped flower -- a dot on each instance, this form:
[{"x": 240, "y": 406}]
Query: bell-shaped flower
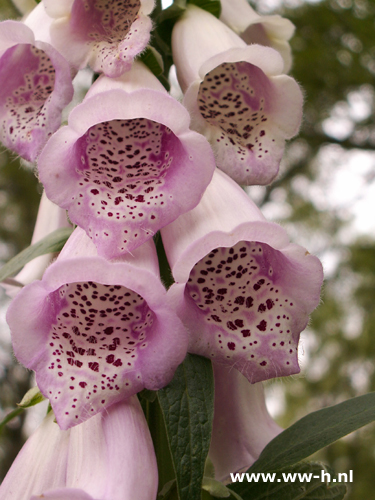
[
  {"x": 110, "y": 457},
  {"x": 242, "y": 290},
  {"x": 236, "y": 95},
  {"x": 96, "y": 332},
  {"x": 271, "y": 31},
  {"x": 50, "y": 217},
  {"x": 106, "y": 35},
  {"x": 242, "y": 426},
  {"x": 35, "y": 86},
  {"x": 127, "y": 163}
]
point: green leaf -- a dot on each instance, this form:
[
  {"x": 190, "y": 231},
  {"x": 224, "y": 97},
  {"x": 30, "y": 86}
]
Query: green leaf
[
  {"x": 31, "y": 398},
  {"x": 211, "y": 6},
  {"x": 288, "y": 486},
  {"x": 50, "y": 244},
  {"x": 315, "y": 431},
  {"x": 187, "y": 404},
  {"x": 153, "y": 60}
]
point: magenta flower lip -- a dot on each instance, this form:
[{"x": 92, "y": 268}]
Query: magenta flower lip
[
  {"x": 35, "y": 83},
  {"x": 242, "y": 290},
  {"x": 97, "y": 331},
  {"x": 126, "y": 166}
]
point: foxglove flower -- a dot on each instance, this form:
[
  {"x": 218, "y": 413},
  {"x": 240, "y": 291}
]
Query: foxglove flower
[
  {"x": 236, "y": 95},
  {"x": 271, "y": 31},
  {"x": 50, "y": 217},
  {"x": 107, "y": 35},
  {"x": 35, "y": 85},
  {"x": 127, "y": 163},
  {"x": 95, "y": 331},
  {"x": 110, "y": 457},
  {"x": 242, "y": 426},
  {"x": 242, "y": 290}
]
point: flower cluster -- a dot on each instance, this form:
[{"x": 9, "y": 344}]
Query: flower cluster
[{"x": 100, "y": 326}]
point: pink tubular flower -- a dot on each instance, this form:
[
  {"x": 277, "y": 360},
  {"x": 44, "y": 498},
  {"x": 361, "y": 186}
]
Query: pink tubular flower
[
  {"x": 127, "y": 164},
  {"x": 242, "y": 426},
  {"x": 242, "y": 290},
  {"x": 35, "y": 86},
  {"x": 95, "y": 331},
  {"x": 110, "y": 457},
  {"x": 107, "y": 35},
  {"x": 236, "y": 95},
  {"x": 271, "y": 31}
]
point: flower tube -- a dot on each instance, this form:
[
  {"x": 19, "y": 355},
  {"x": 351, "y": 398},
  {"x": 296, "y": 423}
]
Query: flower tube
[
  {"x": 127, "y": 163},
  {"x": 242, "y": 426},
  {"x": 35, "y": 86},
  {"x": 96, "y": 332},
  {"x": 106, "y": 35},
  {"x": 271, "y": 31},
  {"x": 110, "y": 457},
  {"x": 242, "y": 290},
  {"x": 236, "y": 95},
  {"x": 40, "y": 465}
]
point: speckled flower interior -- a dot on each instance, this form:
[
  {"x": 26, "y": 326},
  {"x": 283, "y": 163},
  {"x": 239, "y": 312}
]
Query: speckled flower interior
[
  {"x": 94, "y": 342},
  {"x": 124, "y": 167},
  {"x": 246, "y": 310}
]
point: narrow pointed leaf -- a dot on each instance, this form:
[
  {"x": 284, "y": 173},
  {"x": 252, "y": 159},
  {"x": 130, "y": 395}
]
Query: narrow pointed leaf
[
  {"x": 50, "y": 244},
  {"x": 187, "y": 404},
  {"x": 315, "y": 431}
]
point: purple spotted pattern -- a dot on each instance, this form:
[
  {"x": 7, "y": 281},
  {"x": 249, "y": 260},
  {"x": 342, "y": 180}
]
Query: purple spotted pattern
[
  {"x": 94, "y": 344},
  {"x": 123, "y": 168},
  {"x": 235, "y": 97},
  {"x": 25, "y": 94},
  {"x": 248, "y": 318},
  {"x": 107, "y": 26}
]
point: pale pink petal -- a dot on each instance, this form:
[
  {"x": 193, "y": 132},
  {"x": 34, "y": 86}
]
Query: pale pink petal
[
  {"x": 41, "y": 464},
  {"x": 242, "y": 290},
  {"x": 111, "y": 456},
  {"x": 64, "y": 494},
  {"x": 242, "y": 426}
]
